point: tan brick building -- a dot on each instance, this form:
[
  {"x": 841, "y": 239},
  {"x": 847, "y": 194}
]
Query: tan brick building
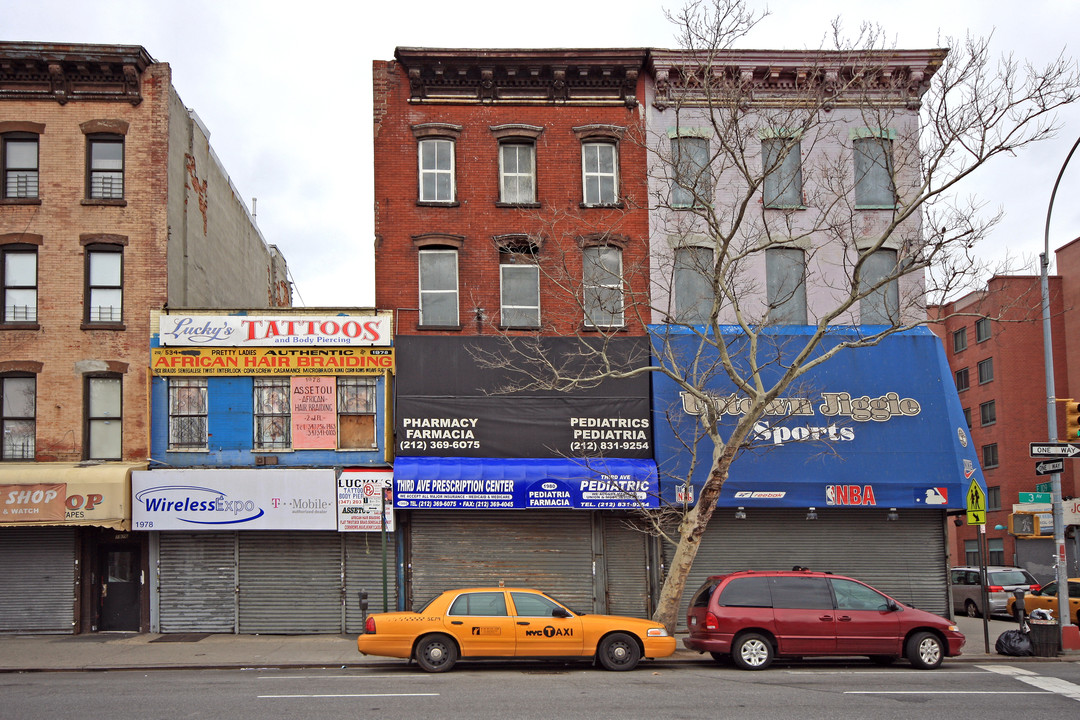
[{"x": 112, "y": 204}]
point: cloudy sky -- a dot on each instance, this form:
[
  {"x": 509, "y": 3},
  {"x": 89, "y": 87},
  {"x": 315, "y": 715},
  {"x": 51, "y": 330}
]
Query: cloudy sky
[{"x": 256, "y": 70}]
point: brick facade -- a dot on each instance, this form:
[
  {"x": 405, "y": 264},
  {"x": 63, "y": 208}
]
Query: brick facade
[{"x": 558, "y": 222}]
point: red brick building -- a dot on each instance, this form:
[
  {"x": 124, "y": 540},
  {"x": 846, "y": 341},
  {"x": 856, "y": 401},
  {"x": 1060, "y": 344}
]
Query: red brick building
[
  {"x": 994, "y": 342},
  {"x": 510, "y": 191},
  {"x": 512, "y": 200},
  {"x": 112, "y": 205}
]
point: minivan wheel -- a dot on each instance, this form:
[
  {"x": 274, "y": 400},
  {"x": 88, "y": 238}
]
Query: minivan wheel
[
  {"x": 752, "y": 651},
  {"x": 970, "y": 609},
  {"x": 925, "y": 651}
]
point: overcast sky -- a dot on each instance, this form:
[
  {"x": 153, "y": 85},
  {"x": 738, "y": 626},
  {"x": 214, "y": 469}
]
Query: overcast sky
[{"x": 258, "y": 72}]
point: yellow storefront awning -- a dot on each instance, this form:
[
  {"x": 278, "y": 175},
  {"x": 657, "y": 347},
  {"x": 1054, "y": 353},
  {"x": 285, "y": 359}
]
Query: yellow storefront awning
[{"x": 87, "y": 493}]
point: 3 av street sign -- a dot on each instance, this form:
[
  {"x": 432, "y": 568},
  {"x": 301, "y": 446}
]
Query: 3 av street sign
[
  {"x": 1066, "y": 450},
  {"x": 1035, "y": 497},
  {"x": 1048, "y": 467}
]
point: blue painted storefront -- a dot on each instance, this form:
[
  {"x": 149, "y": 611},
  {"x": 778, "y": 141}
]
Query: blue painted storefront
[{"x": 875, "y": 426}]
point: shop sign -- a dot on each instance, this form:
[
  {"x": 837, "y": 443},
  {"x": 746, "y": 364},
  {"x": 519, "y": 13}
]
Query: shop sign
[
  {"x": 362, "y": 495},
  {"x": 271, "y": 361},
  {"x": 241, "y": 499},
  {"x": 314, "y": 413},
  {"x": 274, "y": 330},
  {"x": 26, "y": 503}
]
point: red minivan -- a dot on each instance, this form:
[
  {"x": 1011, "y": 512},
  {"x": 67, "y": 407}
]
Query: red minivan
[{"x": 755, "y": 616}]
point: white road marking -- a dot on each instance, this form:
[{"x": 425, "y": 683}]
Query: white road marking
[
  {"x": 1005, "y": 670},
  {"x": 945, "y": 692},
  {"x": 351, "y": 695},
  {"x": 1054, "y": 685},
  {"x": 338, "y": 677}
]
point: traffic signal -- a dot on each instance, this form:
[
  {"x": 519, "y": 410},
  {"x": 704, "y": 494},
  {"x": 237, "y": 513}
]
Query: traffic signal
[{"x": 1072, "y": 419}]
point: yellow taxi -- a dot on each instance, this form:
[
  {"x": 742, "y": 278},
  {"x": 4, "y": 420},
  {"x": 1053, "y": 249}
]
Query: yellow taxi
[
  {"x": 1046, "y": 598},
  {"x": 510, "y": 622}
]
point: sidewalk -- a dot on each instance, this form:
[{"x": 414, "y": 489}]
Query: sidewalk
[{"x": 129, "y": 651}]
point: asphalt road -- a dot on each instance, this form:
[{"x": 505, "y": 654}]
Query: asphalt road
[{"x": 812, "y": 690}]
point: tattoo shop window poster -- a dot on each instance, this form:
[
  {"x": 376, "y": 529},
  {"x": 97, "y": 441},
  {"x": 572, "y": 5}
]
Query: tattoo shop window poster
[{"x": 314, "y": 413}]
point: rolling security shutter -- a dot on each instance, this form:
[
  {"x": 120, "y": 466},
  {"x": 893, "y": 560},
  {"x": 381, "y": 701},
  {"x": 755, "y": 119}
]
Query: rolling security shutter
[
  {"x": 904, "y": 559},
  {"x": 626, "y": 567},
  {"x": 37, "y": 579},
  {"x": 290, "y": 582},
  {"x": 197, "y": 582},
  {"x": 364, "y": 571},
  {"x": 549, "y": 550}
]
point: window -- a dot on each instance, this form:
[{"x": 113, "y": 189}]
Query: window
[
  {"x": 959, "y": 340},
  {"x": 600, "y": 173},
  {"x": 851, "y": 595},
  {"x": 746, "y": 592},
  {"x": 982, "y": 330},
  {"x": 533, "y": 605},
  {"x": 19, "y": 399},
  {"x": 103, "y": 418},
  {"x": 439, "y": 288},
  {"x": 272, "y": 414},
  {"x": 104, "y": 284},
  {"x": 988, "y": 413},
  {"x": 781, "y": 159},
  {"x": 785, "y": 280},
  {"x": 603, "y": 286},
  {"x": 484, "y": 604},
  {"x": 990, "y": 456},
  {"x": 961, "y": 376},
  {"x": 437, "y": 170},
  {"x": 105, "y": 167},
  {"x": 995, "y": 551},
  {"x": 187, "y": 414},
  {"x": 20, "y": 160},
  {"x": 19, "y": 272},
  {"x": 801, "y": 592},
  {"x": 692, "y": 285},
  {"x": 971, "y": 553},
  {"x": 517, "y": 173},
  {"x": 690, "y": 166},
  {"x": 882, "y": 305},
  {"x": 993, "y": 499},
  {"x": 874, "y": 184},
  {"x": 356, "y": 413},
  {"x": 519, "y": 292},
  {"x": 967, "y": 416},
  {"x": 986, "y": 370}
]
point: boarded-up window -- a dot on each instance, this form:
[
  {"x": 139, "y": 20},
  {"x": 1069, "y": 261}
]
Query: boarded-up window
[{"x": 356, "y": 413}]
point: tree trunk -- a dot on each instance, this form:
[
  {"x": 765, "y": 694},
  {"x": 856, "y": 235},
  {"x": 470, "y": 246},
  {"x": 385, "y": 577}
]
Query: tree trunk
[{"x": 690, "y": 532}]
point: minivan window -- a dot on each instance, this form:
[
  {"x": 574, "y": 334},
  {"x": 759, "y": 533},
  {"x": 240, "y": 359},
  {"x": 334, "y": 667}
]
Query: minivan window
[
  {"x": 1010, "y": 577},
  {"x": 746, "y": 592},
  {"x": 701, "y": 599},
  {"x": 801, "y": 592},
  {"x": 853, "y": 596}
]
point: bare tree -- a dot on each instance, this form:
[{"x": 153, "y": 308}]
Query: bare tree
[{"x": 815, "y": 188}]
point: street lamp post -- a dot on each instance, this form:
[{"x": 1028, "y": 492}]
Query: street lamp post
[{"x": 1051, "y": 413}]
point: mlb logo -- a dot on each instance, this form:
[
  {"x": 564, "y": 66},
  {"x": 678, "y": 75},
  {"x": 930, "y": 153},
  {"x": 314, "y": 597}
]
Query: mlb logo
[{"x": 935, "y": 496}]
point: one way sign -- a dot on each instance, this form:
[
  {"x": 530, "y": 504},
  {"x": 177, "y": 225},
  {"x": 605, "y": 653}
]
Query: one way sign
[
  {"x": 1054, "y": 450},
  {"x": 1049, "y": 467}
]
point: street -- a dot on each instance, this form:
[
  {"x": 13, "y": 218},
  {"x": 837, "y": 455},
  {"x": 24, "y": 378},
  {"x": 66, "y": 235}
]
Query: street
[{"x": 692, "y": 690}]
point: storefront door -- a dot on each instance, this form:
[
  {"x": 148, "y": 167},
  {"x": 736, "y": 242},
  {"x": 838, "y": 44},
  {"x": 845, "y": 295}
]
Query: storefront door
[{"x": 119, "y": 568}]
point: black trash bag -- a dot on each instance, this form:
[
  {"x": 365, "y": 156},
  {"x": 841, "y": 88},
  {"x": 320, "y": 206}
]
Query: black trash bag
[{"x": 1015, "y": 643}]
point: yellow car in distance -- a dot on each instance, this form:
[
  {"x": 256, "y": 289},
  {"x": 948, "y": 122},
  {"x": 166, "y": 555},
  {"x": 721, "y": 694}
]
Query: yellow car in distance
[
  {"x": 510, "y": 623},
  {"x": 1046, "y": 598}
]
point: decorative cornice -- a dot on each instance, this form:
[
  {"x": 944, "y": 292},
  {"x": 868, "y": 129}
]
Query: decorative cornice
[
  {"x": 63, "y": 72},
  {"x": 784, "y": 76},
  {"x": 522, "y": 77}
]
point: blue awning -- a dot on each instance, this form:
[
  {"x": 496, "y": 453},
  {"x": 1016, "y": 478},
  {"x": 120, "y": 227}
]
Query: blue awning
[
  {"x": 453, "y": 483},
  {"x": 873, "y": 426}
]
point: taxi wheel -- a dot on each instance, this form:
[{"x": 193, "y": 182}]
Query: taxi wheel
[
  {"x": 619, "y": 651},
  {"x": 436, "y": 653}
]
